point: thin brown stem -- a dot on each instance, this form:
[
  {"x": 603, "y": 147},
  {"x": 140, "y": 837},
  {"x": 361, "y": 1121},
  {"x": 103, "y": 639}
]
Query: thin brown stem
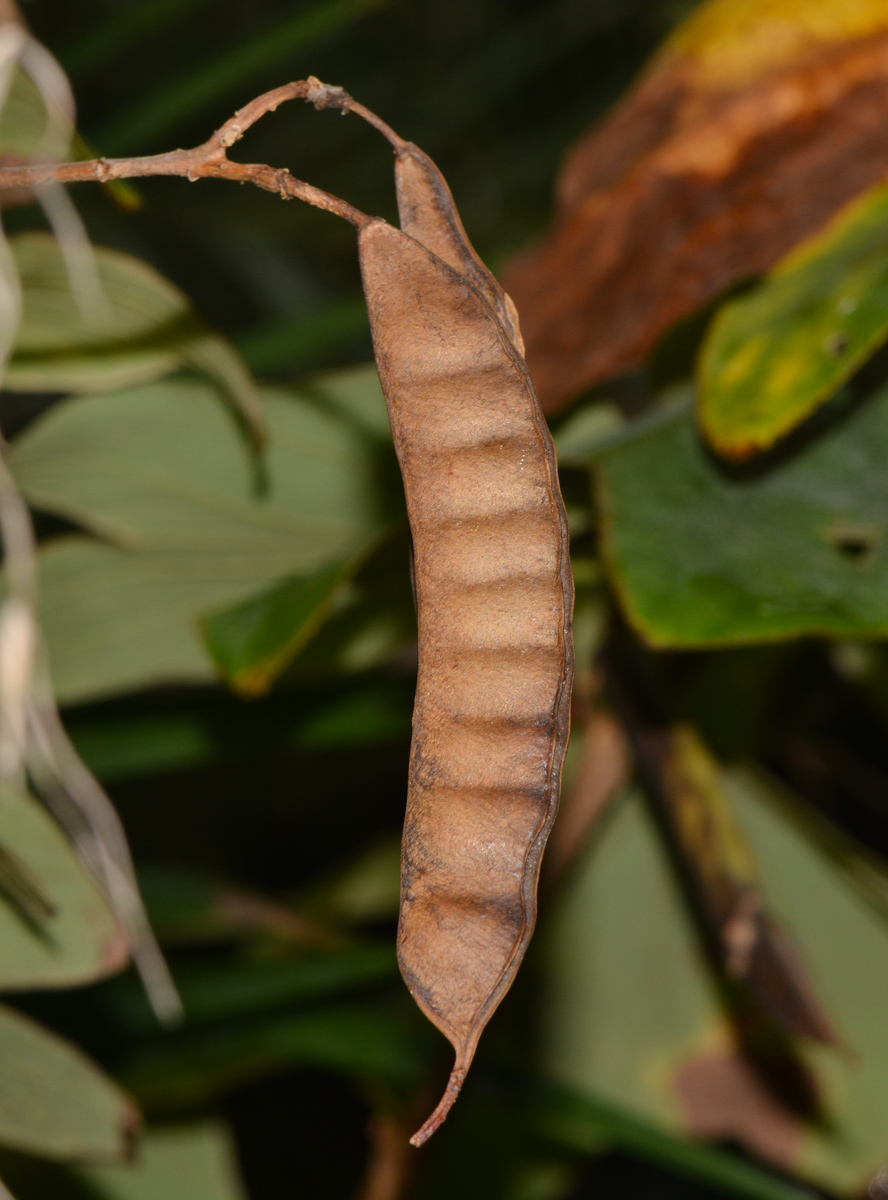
[{"x": 209, "y": 160}]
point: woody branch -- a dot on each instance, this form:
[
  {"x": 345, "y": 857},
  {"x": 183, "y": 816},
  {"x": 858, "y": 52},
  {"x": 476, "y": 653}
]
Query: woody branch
[{"x": 209, "y": 160}]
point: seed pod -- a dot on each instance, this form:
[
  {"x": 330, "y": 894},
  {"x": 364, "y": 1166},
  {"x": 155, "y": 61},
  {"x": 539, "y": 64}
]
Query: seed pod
[
  {"x": 428, "y": 213},
  {"x": 494, "y": 599}
]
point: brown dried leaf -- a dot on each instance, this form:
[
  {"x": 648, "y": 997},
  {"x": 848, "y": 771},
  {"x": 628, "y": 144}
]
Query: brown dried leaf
[
  {"x": 494, "y": 598},
  {"x": 726, "y": 1099},
  {"x": 750, "y": 129}
]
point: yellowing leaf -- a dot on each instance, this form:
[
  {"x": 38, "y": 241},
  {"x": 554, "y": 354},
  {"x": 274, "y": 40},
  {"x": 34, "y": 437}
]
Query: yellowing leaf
[
  {"x": 731, "y": 44},
  {"x": 757, "y": 122},
  {"x": 776, "y": 354}
]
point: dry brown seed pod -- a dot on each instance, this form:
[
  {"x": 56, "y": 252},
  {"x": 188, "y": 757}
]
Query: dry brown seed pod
[
  {"x": 494, "y": 599},
  {"x": 493, "y": 580},
  {"x": 428, "y": 213}
]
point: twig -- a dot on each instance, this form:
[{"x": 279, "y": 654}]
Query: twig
[
  {"x": 390, "y": 1162},
  {"x": 210, "y": 160}
]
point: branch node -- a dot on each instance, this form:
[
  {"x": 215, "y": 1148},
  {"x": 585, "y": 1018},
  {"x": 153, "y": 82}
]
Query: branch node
[{"x": 327, "y": 95}]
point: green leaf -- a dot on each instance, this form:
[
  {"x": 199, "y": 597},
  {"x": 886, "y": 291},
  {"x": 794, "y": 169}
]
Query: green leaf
[
  {"x": 253, "y": 642},
  {"x": 355, "y": 394},
  {"x": 371, "y": 715},
  {"x": 242, "y": 988},
  {"x": 116, "y": 620},
  {"x": 366, "y": 1041},
  {"x": 623, "y": 937},
  {"x": 584, "y": 1123},
  {"x": 191, "y": 908},
  {"x": 177, "y": 1162},
  {"x": 70, "y": 936},
  {"x": 294, "y": 344},
  {"x": 774, "y": 355},
  {"x": 124, "y": 747},
  {"x": 23, "y": 117},
  {"x": 54, "y": 1101},
  {"x": 702, "y": 555},
  {"x": 161, "y": 471},
  {"x": 368, "y": 889},
  {"x": 160, "y": 467},
  {"x": 140, "y": 329},
  {"x": 583, "y": 432}
]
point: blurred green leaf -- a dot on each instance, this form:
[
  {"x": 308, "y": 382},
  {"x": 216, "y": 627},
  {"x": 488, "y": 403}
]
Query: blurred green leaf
[
  {"x": 778, "y": 352},
  {"x": 586, "y": 1124},
  {"x": 702, "y": 555},
  {"x": 392, "y": 1046},
  {"x": 155, "y": 742},
  {"x": 161, "y": 470},
  {"x": 253, "y": 642},
  {"x": 355, "y": 394},
  {"x": 116, "y": 620},
  {"x": 368, "y": 889},
  {"x": 161, "y": 467},
  {"x": 187, "y": 907},
  {"x": 145, "y": 121},
  {"x": 23, "y": 117},
  {"x": 294, "y": 344},
  {"x": 371, "y": 715},
  {"x": 178, "y": 1162},
  {"x": 54, "y": 1101},
  {"x": 76, "y": 938},
  {"x": 583, "y": 432},
  {"x": 139, "y": 328},
  {"x": 241, "y": 987},
  {"x": 623, "y": 936},
  {"x": 721, "y": 869}
]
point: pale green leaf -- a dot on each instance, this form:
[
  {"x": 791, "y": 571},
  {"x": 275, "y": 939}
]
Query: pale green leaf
[
  {"x": 23, "y": 117},
  {"x": 55, "y": 1102},
  {"x": 140, "y": 329},
  {"x": 630, "y": 1003},
  {"x": 584, "y": 431},
  {"x": 76, "y": 938},
  {"x": 161, "y": 467},
  {"x": 161, "y": 471},
  {"x": 356, "y": 394},
  {"x": 177, "y": 1162},
  {"x": 117, "y": 620}
]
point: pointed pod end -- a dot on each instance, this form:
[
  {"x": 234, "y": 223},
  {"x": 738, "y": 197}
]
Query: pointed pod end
[{"x": 439, "y": 1116}]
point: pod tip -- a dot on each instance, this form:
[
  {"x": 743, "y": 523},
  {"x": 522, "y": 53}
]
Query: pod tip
[{"x": 439, "y": 1116}]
